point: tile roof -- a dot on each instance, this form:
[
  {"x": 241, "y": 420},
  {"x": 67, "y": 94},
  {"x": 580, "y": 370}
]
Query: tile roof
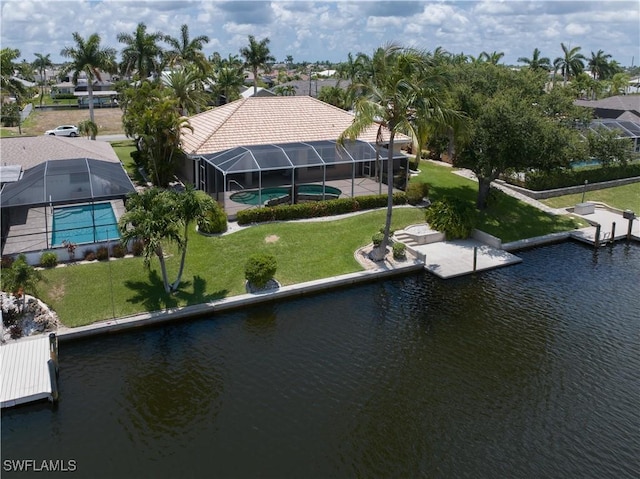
[
  {"x": 619, "y": 102},
  {"x": 30, "y": 151},
  {"x": 269, "y": 120}
]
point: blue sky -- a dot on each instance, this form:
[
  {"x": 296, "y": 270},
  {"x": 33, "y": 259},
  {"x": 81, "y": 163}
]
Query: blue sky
[{"x": 314, "y": 31}]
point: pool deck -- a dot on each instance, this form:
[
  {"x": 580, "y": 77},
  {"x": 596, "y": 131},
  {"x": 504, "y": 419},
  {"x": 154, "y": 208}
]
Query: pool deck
[{"x": 30, "y": 229}]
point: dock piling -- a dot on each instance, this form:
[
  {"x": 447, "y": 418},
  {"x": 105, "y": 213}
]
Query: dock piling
[
  {"x": 597, "y": 237},
  {"x": 613, "y": 232}
]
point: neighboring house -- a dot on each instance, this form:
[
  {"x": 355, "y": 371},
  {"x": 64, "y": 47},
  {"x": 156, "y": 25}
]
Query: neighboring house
[
  {"x": 261, "y": 91},
  {"x": 620, "y": 113},
  {"x": 40, "y": 173},
  {"x": 622, "y": 107},
  {"x": 280, "y": 141}
]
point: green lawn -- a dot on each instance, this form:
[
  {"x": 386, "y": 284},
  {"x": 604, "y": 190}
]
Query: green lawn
[
  {"x": 82, "y": 294},
  {"x": 85, "y": 293},
  {"x": 506, "y": 217},
  {"x": 626, "y": 197}
]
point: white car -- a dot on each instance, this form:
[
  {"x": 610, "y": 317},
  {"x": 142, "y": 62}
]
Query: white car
[{"x": 64, "y": 130}]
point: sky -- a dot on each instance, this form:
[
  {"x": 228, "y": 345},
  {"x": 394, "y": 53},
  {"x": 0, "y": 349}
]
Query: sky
[{"x": 319, "y": 31}]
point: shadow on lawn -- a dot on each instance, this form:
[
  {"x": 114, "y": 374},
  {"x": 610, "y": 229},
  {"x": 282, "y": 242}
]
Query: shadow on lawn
[{"x": 151, "y": 295}]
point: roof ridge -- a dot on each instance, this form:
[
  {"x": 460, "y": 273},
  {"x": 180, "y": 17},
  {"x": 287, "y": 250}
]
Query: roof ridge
[{"x": 236, "y": 105}]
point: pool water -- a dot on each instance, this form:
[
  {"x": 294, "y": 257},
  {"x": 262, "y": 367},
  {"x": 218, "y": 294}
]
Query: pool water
[
  {"x": 256, "y": 197},
  {"x": 84, "y": 224}
]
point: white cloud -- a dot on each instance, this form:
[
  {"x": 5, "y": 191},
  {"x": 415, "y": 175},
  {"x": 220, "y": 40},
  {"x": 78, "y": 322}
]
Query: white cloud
[{"x": 310, "y": 30}]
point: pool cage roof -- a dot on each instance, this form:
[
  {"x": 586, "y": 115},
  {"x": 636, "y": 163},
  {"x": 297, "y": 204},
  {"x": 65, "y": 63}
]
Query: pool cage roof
[
  {"x": 68, "y": 181},
  {"x": 625, "y": 128},
  {"x": 244, "y": 159}
]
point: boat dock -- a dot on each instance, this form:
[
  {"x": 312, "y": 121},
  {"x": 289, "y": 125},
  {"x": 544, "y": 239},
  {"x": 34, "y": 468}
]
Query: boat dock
[
  {"x": 607, "y": 224},
  {"x": 29, "y": 370}
]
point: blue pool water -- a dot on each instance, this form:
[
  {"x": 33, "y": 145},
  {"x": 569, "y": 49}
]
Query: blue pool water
[{"x": 84, "y": 224}]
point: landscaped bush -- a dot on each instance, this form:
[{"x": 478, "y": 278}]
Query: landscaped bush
[
  {"x": 452, "y": 216},
  {"x": 63, "y": 96},
  {"x": 48, "y": 259},
  {"x": 89, "y": 255},
  {"x": 215, "y": 220},
  {"x": 538, "y": 180},
  {"x": 399, "y": 251},
  {"x": 416, "y": 191},
  {"x": 102, "y": 253},
  {"x": 118, "y": 250},
  {"x": 317, "y": 209},
  {"x": 260, "y": 268},
  {"x": 377, "y": 238}
]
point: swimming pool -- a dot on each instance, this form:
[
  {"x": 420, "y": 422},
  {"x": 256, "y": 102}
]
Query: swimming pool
[
  {"x": 255, "y": 197},
  {"x": 84, "y": 224}
]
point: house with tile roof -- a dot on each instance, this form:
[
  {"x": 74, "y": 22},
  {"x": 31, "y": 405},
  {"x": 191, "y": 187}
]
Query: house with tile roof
[{"x": 285, "y": 142}]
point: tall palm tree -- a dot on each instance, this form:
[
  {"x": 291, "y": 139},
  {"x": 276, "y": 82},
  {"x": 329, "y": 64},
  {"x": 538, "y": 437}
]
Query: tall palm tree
[
  {"x": 186, "y": 87},
  {"x": 41, "y": 63},
  {"x": 256, "y": 56},
  {"x": 570, "y": 63},
  {"x": 141, "y": 53},
  {"x": 389, "y": 100},
  {"x": 185, "y": 50},
  {"x": 493, "y": 57},
  {"x": 536, "y": 62},
  {"x": 227, "y": 82},
  {"x": 191, "y": 206},
  {"x": 599, "y": 65},
  {"x": 89, "y": 57},
  {"x": 151, "y": 217}
]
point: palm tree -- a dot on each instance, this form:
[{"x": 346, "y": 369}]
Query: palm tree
[
  {"x": 88, "y": 129},
  {"x": 536, "y": 62},
  {"x": 570, "y": 63},
  {"x": 389, "y": 100},
  {"x": 599, "y": 65},
  {"x": 20, "y": 278},
  {"x": 41, "y": 63},
  {"x": 90, "y": 58},
  {"x": 228, "y": 81},
  {"x": 142, "y": 52},
  {"x": 151, "y": 217},
  {"x": 186, "y": 51},
  {"x": 493, "y": 57},
  {"x": 256, "y": 56},
  {"x": 186, "y": 86},
  {"x": 619, "y": 83},
  {"x": 192, "y": 205},
  {"x": 9, "y": 84}
]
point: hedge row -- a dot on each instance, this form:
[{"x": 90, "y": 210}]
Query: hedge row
[
  {"x": 317, "y": 209},
  {"x": 538, "y": 181}
]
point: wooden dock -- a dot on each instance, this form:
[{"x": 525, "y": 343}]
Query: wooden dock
[{"x": 29, "y": 370}]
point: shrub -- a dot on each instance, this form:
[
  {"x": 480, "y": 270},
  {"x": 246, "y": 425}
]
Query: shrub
[
  {"x": 137, "y": 247},
  {"x": 118, "y": 250},
  {"x": 416, "y": 190},
  {"x": 49, "y": 259},
  {"x": 260, "y": 268},
  {"x": 399, "y": 251},
  {"x": 15, "y": 331},
  {"x": 102, "y": 253},
  {"x": 317, "y": 209},
  {"x": 377, "y": 239},
  {"x": 452, "y": 216},
  {"x": 214, "y": 221},
  {"x": 89, "y": 255}
]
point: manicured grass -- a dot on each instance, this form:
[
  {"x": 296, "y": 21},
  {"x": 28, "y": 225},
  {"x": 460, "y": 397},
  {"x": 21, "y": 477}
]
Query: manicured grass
[
  {"x": 6, "y": 133},
  {"x": 626, "y": 197},
  {"x": 85, "y": 293},
  {"x": 123, "y": 149},
  {"x": 506, "y": 217}
]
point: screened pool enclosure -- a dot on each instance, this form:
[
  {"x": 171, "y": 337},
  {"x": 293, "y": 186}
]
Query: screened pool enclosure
[
  {"x": 30, "y": 204},
  {"x": 291, "y": 165}
]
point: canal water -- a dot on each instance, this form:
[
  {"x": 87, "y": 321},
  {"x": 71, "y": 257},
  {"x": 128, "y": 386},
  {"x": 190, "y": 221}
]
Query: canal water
[{"x": 530, "y": 371}]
